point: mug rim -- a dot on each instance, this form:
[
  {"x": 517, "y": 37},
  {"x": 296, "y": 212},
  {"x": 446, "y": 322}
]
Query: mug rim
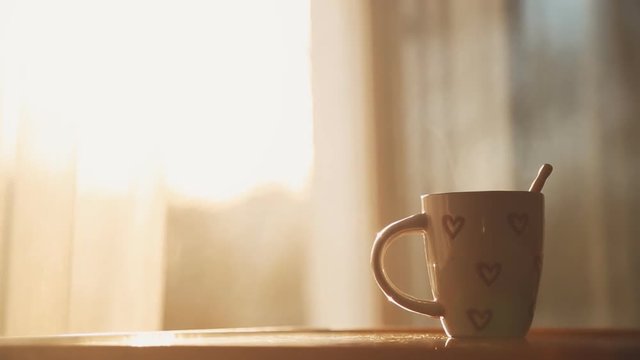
[{"x": 483, "y": 192}]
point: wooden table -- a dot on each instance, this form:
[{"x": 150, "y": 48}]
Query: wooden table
[{"x": 324, "y": 344}]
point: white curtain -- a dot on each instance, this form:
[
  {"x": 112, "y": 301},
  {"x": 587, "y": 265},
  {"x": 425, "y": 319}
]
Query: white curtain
[
  {"x": 340, "y": 291},
  {"x": 83, "y": 204},
  {"x": 154, "y": 158}
]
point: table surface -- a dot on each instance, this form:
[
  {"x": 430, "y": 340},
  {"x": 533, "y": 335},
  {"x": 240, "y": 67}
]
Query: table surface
[{"x": 279, "y": 343}]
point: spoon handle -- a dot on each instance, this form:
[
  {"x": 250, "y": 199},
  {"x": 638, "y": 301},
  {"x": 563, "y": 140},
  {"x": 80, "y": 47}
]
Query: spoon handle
[{"x": 543, "y": 174}]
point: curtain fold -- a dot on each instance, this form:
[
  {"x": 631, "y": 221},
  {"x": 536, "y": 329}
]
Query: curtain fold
[
  {"x": 340, "y": 292},
  {"x": 442, "y": 115},
  {"x": 77, "y": 257}
]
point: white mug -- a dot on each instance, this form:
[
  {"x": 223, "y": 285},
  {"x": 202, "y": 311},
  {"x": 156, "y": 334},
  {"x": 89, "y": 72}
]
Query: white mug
[{"x": 484, "y": 258}]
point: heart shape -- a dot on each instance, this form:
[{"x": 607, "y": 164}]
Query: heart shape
[
  {"x": 488, "y": 273},
  {"x": 479, "y": 319},
  {"x": 452, "y": 225},
  {"x": 518, "y": 222}
]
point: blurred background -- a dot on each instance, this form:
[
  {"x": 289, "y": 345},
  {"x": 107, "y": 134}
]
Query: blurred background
[{"x": 206, "y": 164}]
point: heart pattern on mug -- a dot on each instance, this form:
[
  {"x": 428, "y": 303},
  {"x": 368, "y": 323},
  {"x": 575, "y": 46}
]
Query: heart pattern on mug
[
  {"x": 518, "y": 222},
  {"x": 479, "y": 319},
  {"x": 452, "y": 225},
  {"x": 488, "y": 273}
]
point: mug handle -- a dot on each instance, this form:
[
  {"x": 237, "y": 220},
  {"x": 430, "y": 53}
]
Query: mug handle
[{"x": 411, "y": 224}]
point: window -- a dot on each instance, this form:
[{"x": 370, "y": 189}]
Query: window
[{"x": 151, "y": 150}]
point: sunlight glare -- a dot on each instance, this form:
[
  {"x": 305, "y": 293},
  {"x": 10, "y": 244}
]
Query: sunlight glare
[{"x": 215, "y": 95}]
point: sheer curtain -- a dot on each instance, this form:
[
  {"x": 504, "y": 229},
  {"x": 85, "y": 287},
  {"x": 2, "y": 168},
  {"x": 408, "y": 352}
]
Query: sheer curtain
[
  {"x": 476, "y": 95},
  {"x": 442, "y": 119},
  {"x": 83, "y": 209},
  {"x": 154, "y": 160},
  {"x": 340, "y": 291}
]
